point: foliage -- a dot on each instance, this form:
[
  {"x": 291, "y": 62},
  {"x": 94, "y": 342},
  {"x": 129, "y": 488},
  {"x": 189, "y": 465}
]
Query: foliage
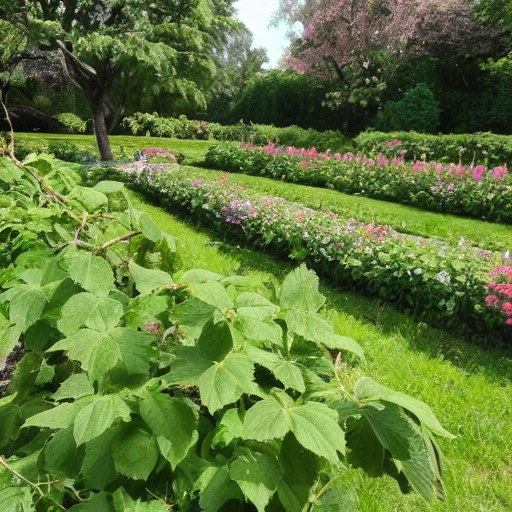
[
  {"x": 156, "y": 126},
  {"x": 468, "y": 149},
  {"x": 139, "y": 391},
  {"x": 501, "y": 290},
  {"x": 417, "y": 111},
  {"x": 71, "y": 153},
  {"x": 471, "y": 191},
  {"x": 72, "y": 122},
  {"x": 439, "y": 283}
]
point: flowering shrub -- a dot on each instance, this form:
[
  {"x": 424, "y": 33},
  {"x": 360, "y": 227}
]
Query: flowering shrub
[
  {"x": 500, "y": 297},
  {"x": 473, "y": 191},
  {"x": 479, "y": 148},
  {"x": 434, "y": 281}
]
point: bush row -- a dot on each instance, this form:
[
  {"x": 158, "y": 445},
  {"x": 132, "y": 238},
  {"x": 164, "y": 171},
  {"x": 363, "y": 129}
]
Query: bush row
[
  {"x": 470, "y": 191},
  {"x": 440, "y": 284},
  {"x": 183, "y": 128},
  {"x": 479, "y": 148}
]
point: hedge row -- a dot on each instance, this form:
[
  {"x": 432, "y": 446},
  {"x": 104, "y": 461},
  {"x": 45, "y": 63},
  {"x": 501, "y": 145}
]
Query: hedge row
[
  {"x": 479, "y": 148},
  {"x": 443, "y": 285},
  {"x": 470, "y": 191}
]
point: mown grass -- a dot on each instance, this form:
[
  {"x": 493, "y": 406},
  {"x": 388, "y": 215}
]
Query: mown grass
[{"x": 469, "y": 388}]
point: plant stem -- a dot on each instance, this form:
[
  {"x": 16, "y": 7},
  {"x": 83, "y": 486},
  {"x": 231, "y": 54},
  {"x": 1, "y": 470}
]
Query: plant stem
[
  {"x": 21, "y": 477},
  {"x": 106, "y": 245}
]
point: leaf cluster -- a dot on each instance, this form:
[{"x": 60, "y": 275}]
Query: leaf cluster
[{"x": 142, "y": 391}]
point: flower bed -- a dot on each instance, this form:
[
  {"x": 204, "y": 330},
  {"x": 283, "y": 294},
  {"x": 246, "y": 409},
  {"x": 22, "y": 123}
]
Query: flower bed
[
  {"x": 438, "y": 283},
  {"x": 473, "y": 191}
]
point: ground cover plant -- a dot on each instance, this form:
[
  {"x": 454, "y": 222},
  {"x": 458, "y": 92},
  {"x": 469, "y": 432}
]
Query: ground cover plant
[
  {"x": 138, "y": 390},
  {"x": 477, "y": 192},
  {"x": 437, "y": 282}
]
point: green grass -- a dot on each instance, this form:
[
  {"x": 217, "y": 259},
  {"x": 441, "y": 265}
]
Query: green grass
[{"x": 469, "y": 388}]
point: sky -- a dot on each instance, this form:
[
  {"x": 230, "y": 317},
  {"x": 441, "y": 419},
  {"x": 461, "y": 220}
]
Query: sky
[{"x": 256, "y": 16}]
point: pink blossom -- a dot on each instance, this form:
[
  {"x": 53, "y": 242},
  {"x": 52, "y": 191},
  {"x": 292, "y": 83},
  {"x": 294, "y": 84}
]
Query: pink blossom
[
  {"x": 499, "y": 172},
  {"x": 478, "y": 172},
  {"x": 393, "y": 143},
  {"x": 381, "y": 160},
  {"x": 153, "y": 328},
  {"x": 491, "y": 300},
  {"x": 509, "y": 321}
]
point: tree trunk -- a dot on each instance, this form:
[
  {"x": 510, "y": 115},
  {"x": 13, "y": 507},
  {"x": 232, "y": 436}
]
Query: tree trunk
[{"x": 100, "y": 129}]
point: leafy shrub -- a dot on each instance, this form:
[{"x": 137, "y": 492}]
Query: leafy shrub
[
  {"x": 145, "y": 392},
  {"x": 479, "y": 148},
  {"x": 417, "y": 110},
  {"x": 151, "y": 124},
  {"x": 72, "y": 122},
  {"x": 71, "y": 152},
  {"x": 472, "y": 191},
  {"x": 441, "y": 284}
]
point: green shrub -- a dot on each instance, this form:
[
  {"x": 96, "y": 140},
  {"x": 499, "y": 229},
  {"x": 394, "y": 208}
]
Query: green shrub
[
  {"x": 479, "y": 148},
  {"x": 156, "y": 126},
  {"x": 72, "y": 122},
  {"x": 417, "y": 110},
  {"x": 70, "y": 152}
]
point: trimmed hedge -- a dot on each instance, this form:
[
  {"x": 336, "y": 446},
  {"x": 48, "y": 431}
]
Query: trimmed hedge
[{"x": 479, "y": 148}]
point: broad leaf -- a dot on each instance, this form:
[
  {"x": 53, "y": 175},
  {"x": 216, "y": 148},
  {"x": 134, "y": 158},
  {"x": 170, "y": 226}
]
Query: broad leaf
[
  {"x": 149, "y": 228},
  {"x": 266, "y": 420},
  {"x": 91, "y": 199},
  {"x": 219, "y": 490},
  {"x": 99, "y": 313},
  {"x": 310, "y": 326},
  {"x": 76, "y": 386},
  {"x": 135, "y": 452},
  {"x": 260, "y": 330},
  {"x": 9, "y": 337},
  {"x": 148, "y": 280},
  {"x": 108, "y": 187},
  {"x": 215, "y": 341},
  {"x": 187, "y": 367},
  {"x": 192, "y": 315},
  {"x": 253, "y": 305},
  {"x": 342, "y": 343},
  {"x": 16, "y": 499},
  {"x": 61, "y": 416},
  {"x": 92, "y": 273},
  {"x": 199, "y": 276},
  {"x": 172, "y": 422},
  {"x": 365, "y": 449},
  {"x": 27, "y": 306},
  {"x": 316, "y": 428},
  {"x": 98, "y": 416},
  {"x": 229, "y": 428},
  {"x": 212, "y": 293},
  {"x": 96, "y": 503},
  {"x": 300, "y": 291},
  {"x": 340, "y": 494},
  {"x": 96, "y": 351},
  {"x": 124, "y": 503},
  {"x": 224, "y": 382},
  {"x": 367, "y": 390},
  {"x": 61, "y": 456},
  {"x": 98, "y": 468},
  {"x": 135, "y": 348},
  {"x": 257, "y": 474}
]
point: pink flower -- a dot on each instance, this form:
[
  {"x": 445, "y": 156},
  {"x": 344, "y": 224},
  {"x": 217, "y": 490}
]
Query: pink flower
[
  {"x": 381, "y": 160},
  {"x": 393, "y": 143},
  {"x": 499, "y": 172},
  {"x": 491, "y": 300},
  {"x": 224, "y": 177},
  {"x": 509, "y": 321},
  {"x": 507, "y": 307},
  {"x": 478, "y": 172},
  {"x": 153, "y": 328}
]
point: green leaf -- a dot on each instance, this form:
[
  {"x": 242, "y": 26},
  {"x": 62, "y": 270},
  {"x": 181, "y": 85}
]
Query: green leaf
[
  {"x": 365, "y": 449},
  {"x": 99, "y": 313},
  {"x": 148, "y": 280},
  {"x": 215, "y": 341},
  {"x": 91, "y": 199},
  {"x": 212, "y": 293},
  {"x": 98, "y": 469},
  {"x": 259, "y": 330},
  {"x": 340, "y": 494},
  {"x": 341, "y": 343},
  {"x": 310, "y": 326},
  {"x": 149, "y": 228},
  {"x": 61, "y": 416},
  {"x": 199, "y": 276},
  {"x": 124, "y": 503},
  {"x": 61, "y": 456},
  {"x": 16, "y": 499},
  {"x": 367, "y": 390},
  {"x": 229, "y": 428},
  {"x": 257, "y": 474},
  {"x": 135, "y": 452},
  {"x": 92, "y": 273},
  {"x": 299, "y": 473},
  {"x": 224, "y": 382},
  {"x": 192, "y": 315},
  {"x": 76, "y": 386},
  {"x": 45, "y": 375},
  {"x": 97, "y": 503},
  {"x": 96, "y": 351},
  {"x": 98, "y": 416},
  {"x": 108, "y": 187},
  {"x": 187, "y": 367},
  {"x": 286, "y": 371},
  {"x": 9, "y": 337},
  {"x": 135, "y": 348},
  {"x": 300, "y": 291},
  {"x": 219, "y": 490},
  {"x": 173, "y": 423},
  {"x": 316, "y": 428},
  {"x": 266, "y": 420},
  {"x": 27, "y": 306},
  {"x": 254, "y": 305}
]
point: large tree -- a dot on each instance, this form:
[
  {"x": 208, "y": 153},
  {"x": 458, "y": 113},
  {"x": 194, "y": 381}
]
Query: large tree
[{"x": 111, "y": 49}]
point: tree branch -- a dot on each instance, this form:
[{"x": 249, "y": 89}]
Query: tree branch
[{"x": 106, "y": 245}]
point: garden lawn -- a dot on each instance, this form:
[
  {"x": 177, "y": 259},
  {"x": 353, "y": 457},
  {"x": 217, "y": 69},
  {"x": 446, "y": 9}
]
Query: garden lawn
[{"x": 469, "y": 388}]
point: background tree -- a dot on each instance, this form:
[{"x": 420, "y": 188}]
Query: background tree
[{"x": 113, "y": 49}]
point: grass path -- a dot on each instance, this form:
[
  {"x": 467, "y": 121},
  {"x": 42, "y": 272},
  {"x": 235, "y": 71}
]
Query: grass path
[{"x": 469, "y": 389}]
